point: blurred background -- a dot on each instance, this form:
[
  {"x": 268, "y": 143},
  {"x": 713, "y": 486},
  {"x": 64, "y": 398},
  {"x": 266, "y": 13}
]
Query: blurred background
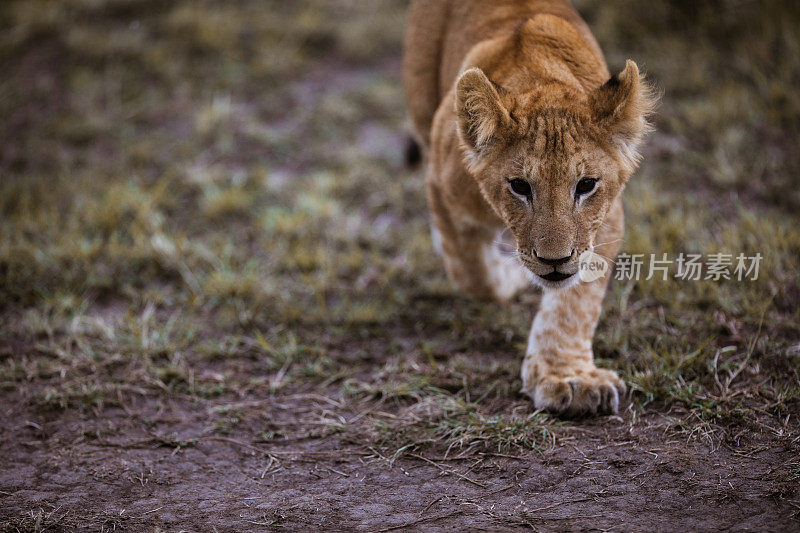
[{"x": 207, "y": 199}]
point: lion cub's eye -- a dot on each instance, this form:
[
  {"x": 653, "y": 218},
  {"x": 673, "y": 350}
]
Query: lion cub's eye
[
  {"x": 585, "y": 186},
  {"x": 520, "y": 187}
]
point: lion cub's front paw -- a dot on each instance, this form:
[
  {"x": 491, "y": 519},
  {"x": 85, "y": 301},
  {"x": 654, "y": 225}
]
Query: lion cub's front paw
[{"x": 580, "y": 392}]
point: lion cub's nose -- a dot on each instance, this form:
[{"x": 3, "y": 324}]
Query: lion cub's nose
[{"x": 554, "y": 262}]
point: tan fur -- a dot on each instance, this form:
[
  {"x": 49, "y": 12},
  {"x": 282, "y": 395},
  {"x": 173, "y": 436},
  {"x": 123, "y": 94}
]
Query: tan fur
[{"x": 519, "y": 89}]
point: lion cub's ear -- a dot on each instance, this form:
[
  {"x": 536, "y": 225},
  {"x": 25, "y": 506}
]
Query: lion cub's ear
[
  {"x": 480, "y": 110},
  {"x": 621, "y": 106}
]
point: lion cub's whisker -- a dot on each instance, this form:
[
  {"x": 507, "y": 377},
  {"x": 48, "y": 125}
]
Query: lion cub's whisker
[{"x": 605, "y": 243}]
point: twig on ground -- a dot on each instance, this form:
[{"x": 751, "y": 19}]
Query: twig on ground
[
  {"x": 431, "y": 505},
  {"x": 565, "y": 502},
  {"x": 418, "y": 521},
  {"x": 446, "y": 471}
]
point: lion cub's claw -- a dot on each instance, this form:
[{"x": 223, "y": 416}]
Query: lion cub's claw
[{"x": 597, "y": 391}]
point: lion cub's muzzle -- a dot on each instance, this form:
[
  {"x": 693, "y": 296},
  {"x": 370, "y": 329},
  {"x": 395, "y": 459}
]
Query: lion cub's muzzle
[{"x": 555, "y": 271}]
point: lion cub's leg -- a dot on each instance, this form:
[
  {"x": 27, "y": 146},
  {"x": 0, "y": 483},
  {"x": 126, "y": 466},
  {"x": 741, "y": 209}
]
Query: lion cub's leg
[
  {"x": 558, "y": 372},
  {"x": 474, "y": 262},
  {"x": 471, "y": 253},
  {"x": 476, "y": 266},
  {"x": 504, "y": 273}
]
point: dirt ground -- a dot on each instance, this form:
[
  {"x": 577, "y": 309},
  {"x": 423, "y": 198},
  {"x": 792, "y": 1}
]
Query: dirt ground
[
  {"x": 154, "y": 466},
  {"x": 220, "y": 309}
]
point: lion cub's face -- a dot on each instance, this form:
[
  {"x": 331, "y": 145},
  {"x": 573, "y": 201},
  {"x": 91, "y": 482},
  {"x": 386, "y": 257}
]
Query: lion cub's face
[{"x": 552, "y": 161}]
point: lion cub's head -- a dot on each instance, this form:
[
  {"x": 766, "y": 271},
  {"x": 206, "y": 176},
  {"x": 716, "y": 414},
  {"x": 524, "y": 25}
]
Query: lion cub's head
[{"x": 552, "y": 161}]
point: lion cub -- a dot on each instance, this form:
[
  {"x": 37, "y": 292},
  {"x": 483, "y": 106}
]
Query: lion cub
[{"x": 524, "y": 131}]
